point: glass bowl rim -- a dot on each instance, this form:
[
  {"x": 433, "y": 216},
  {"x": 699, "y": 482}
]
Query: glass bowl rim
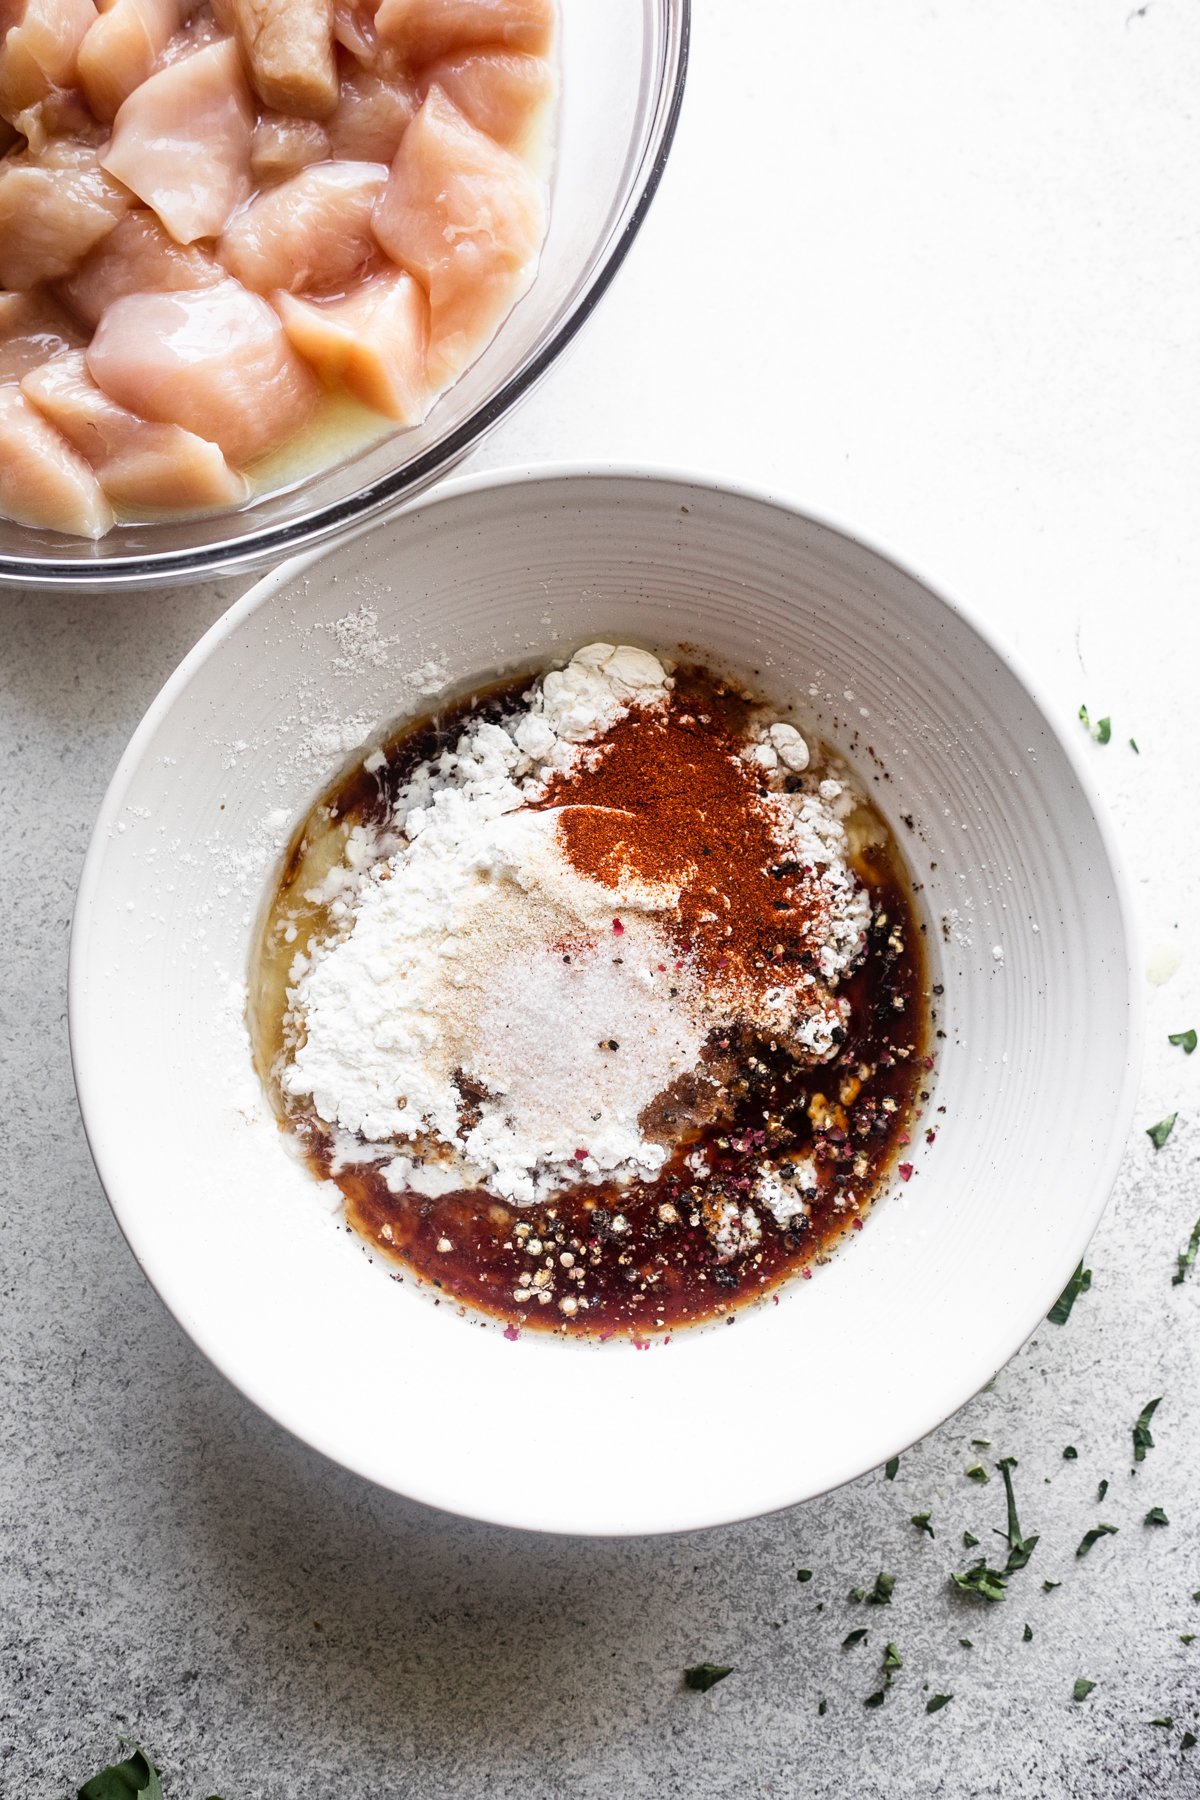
[{"x": 255, "y": 551}]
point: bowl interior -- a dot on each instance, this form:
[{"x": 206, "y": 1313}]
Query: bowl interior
[
  {"x": 1030, "y": 1097},
  {"x": 623, "y": 65}
]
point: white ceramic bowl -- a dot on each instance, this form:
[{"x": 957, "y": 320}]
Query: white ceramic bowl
[{"x": 1029, "y": 937}]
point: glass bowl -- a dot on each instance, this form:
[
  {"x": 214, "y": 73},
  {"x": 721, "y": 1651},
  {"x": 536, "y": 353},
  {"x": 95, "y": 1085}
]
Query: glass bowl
[{"x": 623, "y": 67}]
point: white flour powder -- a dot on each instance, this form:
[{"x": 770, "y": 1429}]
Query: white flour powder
[{"x": 484, "y": 1016}]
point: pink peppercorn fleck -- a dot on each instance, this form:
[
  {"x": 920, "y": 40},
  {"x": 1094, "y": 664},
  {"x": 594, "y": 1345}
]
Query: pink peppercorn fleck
[{"x": 905, "y": 1171}]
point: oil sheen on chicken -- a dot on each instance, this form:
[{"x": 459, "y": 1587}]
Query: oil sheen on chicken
[{"x": 218, "y": 216}]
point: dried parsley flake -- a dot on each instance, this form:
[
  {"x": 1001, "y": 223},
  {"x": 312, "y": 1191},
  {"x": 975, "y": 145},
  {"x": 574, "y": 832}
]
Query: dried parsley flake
[
  {"x": 1093, "y": 1536},
  {"x": 1142, "y": 1440},
  {"x": 1079, "y": 1283},
  {"x": 706, "y": 1675},
  {"x": 1158, "y": 1134}
]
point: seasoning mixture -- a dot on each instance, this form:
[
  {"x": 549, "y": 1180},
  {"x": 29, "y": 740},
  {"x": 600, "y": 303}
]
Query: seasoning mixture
[{"x": 599, "y": 998}]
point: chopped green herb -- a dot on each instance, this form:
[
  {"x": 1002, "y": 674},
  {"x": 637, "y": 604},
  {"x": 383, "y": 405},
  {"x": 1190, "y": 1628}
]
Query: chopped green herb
[
  {"x": 1082, "y": 1688},
  {"x": 1049, "y": 1586},
  {"x": 936, "y": 1702},
  {"x": 1101, "y": 730},
  {"x": 985, "y": 1583},
  {"x": 1187, "y": 1040},
  {"x": 1187, "y": 1637},
  {"x": 1156, "y": 1516},
  {"x": 1027, "y": 1635},
  {"x": 1142, "y": 1441},
  {"x": 921, "y": 1521},
  {"x": 1102, "y": 1490},
  {"x": 1079, "y": 1283},
  {"x": 981, "y": 1443},
  {"x": 1020, "y": 1549},
  {"x": 966, "y": 1643},
  {"x": 1070, "y": 1453},
  {"x": 134, "y": 1779},
  {"x": 875, "y": 1699},
  {"x": 1187, "y": 1740},
  {"x": 1166, "y": 1720},
  {"x": 1186, "y": 1258},
  {"x": 854, "y": 1637},
  {"x": 890, "y": 1467},
  {"x": 822, "y": 1709},
  {"x": 881, "y": 1593},
  {"x": 706, "y": 1675},
  {"x": 976, "y": 1473},
  {"x": 969, "y": 1540},
  {"x": 803, "y": 1574},
  {"x": 1196, "y": 1595},
  {"x": 1158, "y": 1134},
  {"x": 891, "y": 1660},
  {"x": 1133, "y": 746},
  {"x": 857, "y": 1594},
  {"x": 1092, "y": 1536}
]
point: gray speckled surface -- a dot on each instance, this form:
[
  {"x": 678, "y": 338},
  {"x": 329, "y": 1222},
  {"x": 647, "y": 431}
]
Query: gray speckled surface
[
  {"x": 173, "y": 1565},
  {"x": 178, "y": 1568}
]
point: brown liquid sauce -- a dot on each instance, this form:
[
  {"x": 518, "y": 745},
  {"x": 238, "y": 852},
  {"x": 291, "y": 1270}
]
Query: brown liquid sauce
[{"x": 636, "y": 1251}]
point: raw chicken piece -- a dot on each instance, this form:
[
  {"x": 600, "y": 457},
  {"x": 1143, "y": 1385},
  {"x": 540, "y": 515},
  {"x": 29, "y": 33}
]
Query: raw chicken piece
[
  {"x": 53, "y": 208},
  {"x": 467, "y": 219},
  {"x": 288, "y": 46},
  {"x": 372, "y": 343},
  {"x": 41, "y": 40},
  {"x": 32, "y": 328},
  {"x": 502, "y": 92},
  {"x": 215, "y": 361},
  {"x": 283, "y": 146},
  {"x": 354, "y": 30},
  {"x": 42, "y": 480},
  {"x": 138, "y": 257},
  {"x": 122, "y": 48},
  {"x": 312, "y": 232},
  {"x": 139, "y": 464},
  {"x": 61, "y": 112},
  {"x": 182, "y": 142},
  {"x": 425, "y": 29},
  {"x": 201, "y": 30},
  {"x": 373, "y": 113}
]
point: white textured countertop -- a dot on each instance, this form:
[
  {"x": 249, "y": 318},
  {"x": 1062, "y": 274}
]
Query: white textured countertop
[{"x": 931, "y": 270}]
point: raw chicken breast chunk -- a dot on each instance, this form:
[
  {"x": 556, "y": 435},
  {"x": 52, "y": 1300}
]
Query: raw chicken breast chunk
[
  {"x": 42, "y": 480},
  {"x": 182, "y": 142},
  {"x": 215, "y": 361},
  {"x": 140, "y": 464},
  {"x": 138, "y": 257},
  {"x": 122, "y": 48},
  {"x": 425, "y": 29},
  {"x": 288, "y": 45},
  {"x": 53, "y": 208},
  {"x": 312, "y": 232},
  {"x": 502, "y": 92},
  {"x": 372, "y": 343},
  {"x": 33, "y": 327},
  {"x": 282, "y": 147},
  {"x": 373, "y": 113},
  {"x": 40, "y": 49},
  {"x": 466, "y": 218}
]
